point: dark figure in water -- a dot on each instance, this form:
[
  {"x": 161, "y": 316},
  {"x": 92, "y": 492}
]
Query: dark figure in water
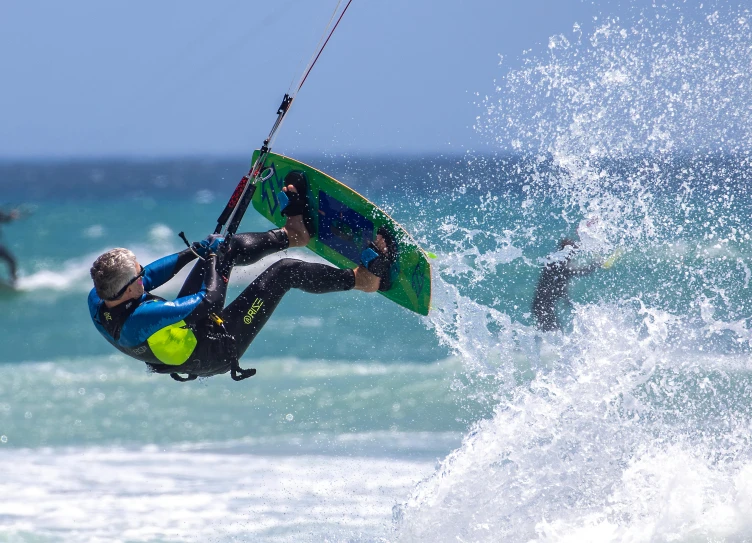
[
  {"x": 5, "y": 254},
  {"x": 196, "y": 335},
  {"x": 553, "y": 285}
]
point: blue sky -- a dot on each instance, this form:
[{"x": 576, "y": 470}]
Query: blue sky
[{"x": 88, "y": 78}]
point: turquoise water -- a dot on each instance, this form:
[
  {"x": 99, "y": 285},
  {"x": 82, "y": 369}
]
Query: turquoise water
[{"x": 368, "y": 423}]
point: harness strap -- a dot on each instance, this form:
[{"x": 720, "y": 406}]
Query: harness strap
[
  {"x": 178, "y": 377},
  {"x": 238, "y": 374}
]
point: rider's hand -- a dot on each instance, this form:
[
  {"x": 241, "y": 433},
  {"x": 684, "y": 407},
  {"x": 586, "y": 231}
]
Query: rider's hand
[{"x": 210, "y": 246}]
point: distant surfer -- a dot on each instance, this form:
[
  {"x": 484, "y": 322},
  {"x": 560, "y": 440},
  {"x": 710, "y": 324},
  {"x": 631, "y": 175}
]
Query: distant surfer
[
  {"x": 553, "y": 285},
  {"x": 195, "y": 335},
  {"x": 5, "y": 254}
]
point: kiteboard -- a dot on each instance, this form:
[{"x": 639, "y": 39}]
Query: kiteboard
[
  {"x": 616, "y": 255},
  {"x": 344, "y": 222}
]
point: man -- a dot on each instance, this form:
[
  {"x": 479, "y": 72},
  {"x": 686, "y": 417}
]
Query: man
[
  {"x": 196, "y": 334},
  {"x": 5, "y": 254},
  {"x": 553, "y": 285}
]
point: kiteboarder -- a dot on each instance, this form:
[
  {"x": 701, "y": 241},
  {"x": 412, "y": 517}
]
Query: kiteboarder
[
  {"x": 553, "y": 284},
  {"x": 195, "y": 335},
  {"x": 5, "y": 254}
]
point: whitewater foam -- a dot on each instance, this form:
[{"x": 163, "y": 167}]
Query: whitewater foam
[{"x": 634, "y": 423}]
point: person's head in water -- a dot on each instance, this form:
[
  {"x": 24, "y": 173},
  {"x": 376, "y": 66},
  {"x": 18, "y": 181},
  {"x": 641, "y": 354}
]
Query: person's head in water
[
  {"x": 116, "y": 273},
  {"x": 567, "y": 242}
]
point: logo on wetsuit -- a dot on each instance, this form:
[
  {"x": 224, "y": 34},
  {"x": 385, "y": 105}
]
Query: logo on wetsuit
[
  {"x": 255, "y": 308},
  {"x": 107, "y": 316}
]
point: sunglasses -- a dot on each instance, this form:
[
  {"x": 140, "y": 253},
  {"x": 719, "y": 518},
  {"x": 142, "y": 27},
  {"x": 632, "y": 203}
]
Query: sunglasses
[{"x": 128, "y": 284}]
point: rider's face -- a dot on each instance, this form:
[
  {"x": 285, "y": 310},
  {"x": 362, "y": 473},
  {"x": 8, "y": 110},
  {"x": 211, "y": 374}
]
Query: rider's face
[{"x": 136, "y": 289}]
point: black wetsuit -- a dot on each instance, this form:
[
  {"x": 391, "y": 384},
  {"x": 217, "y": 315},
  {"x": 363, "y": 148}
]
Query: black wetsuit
[
  {"x": 553, "y": 286},
  {"x": 183, "y": 336},
  {"x": 5, "y": 254}
]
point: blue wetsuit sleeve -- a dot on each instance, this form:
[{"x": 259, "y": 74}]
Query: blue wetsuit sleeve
[
  {"x": 153, "y": 316},
  {"x": 160, "y": 271},
  {"x": 94, "y": 302}
]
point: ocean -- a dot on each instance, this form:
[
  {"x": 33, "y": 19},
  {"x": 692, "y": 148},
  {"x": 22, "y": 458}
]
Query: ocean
[{"x": 367, "y": 423}]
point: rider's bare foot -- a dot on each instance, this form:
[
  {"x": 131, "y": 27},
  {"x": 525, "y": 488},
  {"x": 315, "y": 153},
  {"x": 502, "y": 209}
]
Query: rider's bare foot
[
  {"x": 380, "y": 243},
  {"x": 296, "y": 231},
  {"x": 365, "y": 280}
]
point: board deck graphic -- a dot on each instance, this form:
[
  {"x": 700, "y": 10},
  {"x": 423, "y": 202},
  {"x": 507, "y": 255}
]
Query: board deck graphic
[{"x": 344, "y": 223}]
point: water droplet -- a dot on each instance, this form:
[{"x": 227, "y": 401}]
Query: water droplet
[
  {"x": 27, "y": 415},
  {"x": 289, "y": 416},
  {"x": 4, "y": 439},
  {"x": 82, "y": 391}
]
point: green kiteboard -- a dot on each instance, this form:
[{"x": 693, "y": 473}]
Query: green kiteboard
[
  {"x": 616, "y": 255},
  {"x": 344, "y": 223}
]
